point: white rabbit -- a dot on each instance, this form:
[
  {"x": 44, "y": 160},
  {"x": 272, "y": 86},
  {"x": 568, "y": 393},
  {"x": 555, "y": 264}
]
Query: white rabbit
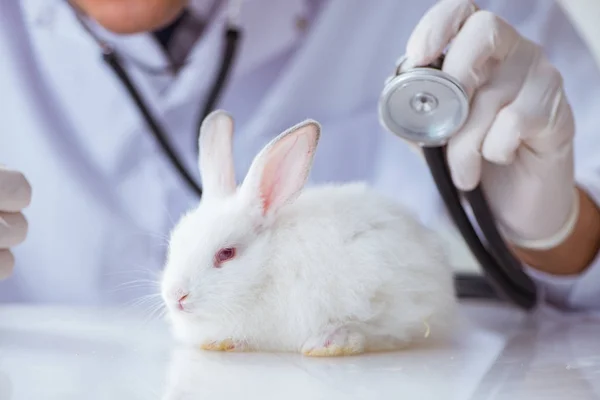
[{"x": 326, "y": 271}]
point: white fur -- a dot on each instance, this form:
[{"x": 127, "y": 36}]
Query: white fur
[{"x": 337, "y": 263}]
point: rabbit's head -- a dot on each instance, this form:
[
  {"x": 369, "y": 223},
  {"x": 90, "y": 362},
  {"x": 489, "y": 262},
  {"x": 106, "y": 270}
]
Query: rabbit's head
[{"x": 218, "y": 252}]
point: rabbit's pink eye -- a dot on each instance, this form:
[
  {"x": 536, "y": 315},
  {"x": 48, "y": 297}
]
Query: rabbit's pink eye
[{"x": 224, "y": 255}]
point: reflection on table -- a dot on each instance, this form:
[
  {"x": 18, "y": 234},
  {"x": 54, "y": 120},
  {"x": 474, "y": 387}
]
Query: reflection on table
[{"x": 61, "y": 353}]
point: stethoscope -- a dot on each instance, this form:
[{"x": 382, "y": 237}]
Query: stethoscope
[
  {"x": 422, "y": 105},
  {"x": 427, "y": 106}
]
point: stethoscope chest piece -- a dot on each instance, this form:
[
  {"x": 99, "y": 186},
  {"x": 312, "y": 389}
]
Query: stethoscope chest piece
[{"x": 423, "y": 105}]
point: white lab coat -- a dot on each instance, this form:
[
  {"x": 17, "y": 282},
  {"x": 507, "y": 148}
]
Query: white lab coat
[{"x": 104, "y": 197}]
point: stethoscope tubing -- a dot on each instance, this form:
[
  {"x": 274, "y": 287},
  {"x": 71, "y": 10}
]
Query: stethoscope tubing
[
  {"x": 232, "y": 37},
  {"x": 503, "y": 270},
  {"x": 112, "y": 59}
]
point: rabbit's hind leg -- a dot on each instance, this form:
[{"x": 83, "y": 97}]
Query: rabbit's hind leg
[{"x": 334, "y": 342}]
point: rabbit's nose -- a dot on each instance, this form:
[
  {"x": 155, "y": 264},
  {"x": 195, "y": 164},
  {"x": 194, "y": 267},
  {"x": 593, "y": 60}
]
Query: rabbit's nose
[{"x": 181, "y": 301}]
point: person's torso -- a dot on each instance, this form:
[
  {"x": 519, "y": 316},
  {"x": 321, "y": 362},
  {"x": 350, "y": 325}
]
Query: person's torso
[{"x": 105, "y": 196}]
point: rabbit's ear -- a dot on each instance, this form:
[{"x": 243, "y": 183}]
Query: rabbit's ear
[
  {"x": 216, "y": 157},
  {"x": 281, "y": 169}
]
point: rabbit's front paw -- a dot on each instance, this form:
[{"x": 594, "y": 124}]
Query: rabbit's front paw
[
  {"x": 224, "y": 345},
  {"x": 336, "y": 343}
]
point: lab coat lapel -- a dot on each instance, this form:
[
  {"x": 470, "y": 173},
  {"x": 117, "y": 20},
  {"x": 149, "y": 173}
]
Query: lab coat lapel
[
  {"x": 57, "y": 17},
  {"x": 263, "y": 37},
  {"x": 141, "y": 54},
  {"x": 140, "y": 48},
  {"x": 54, "y": 17},
  {"x": 143, "y": 57},
  {"x": 112, "y": 148}
]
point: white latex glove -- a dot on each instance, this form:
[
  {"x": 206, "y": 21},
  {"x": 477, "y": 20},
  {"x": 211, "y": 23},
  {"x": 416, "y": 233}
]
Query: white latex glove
[
  {"x": 518, "y": 140},
  {"x": 15, "y": 195}
]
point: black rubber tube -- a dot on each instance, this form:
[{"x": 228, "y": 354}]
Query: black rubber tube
[
  {"x": 509, "y": 283},
  {"x": 473, "y": 286},
  {"x": 232, "y": 36},
  {"x": 495, "y": 243},
  {"x": 113, "y": 61}
]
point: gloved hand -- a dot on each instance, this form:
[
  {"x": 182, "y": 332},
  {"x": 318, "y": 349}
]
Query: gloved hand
[
  {"x": 518, "y": 139},
  {"x": 15, "y": 195}
]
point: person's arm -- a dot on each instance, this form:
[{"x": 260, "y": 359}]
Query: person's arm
[
  {"x": 580, "y": 251},
  {"x": 574, "y": 255}
]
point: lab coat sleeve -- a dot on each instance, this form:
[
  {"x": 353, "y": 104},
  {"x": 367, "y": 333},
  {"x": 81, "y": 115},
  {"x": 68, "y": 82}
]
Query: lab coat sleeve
[
  {"x": 581, "y": 75},
  {"x": 15, "y": 48}
]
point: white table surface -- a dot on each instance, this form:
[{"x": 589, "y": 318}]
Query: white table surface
[{"x": 63, "y": 353}]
